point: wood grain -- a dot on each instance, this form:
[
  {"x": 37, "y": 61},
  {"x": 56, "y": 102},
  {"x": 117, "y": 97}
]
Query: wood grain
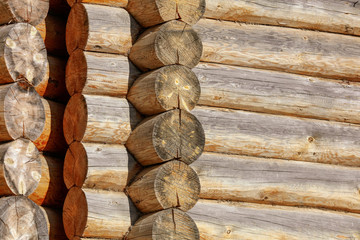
[{"x": 112, "y": 3}]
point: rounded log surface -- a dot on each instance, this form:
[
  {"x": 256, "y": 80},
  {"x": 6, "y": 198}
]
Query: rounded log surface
[
  {"x": 176, "y": 134},
  {"x": 20, "y": 218},
  {"x": 167, "y": 224},
  {"x": 24, "y": 54},
  {"x": 167, "y": 88},
  {"x": 153, "y": 12},
  {"x": 112, "y": 3},
  {"x": 174, "y": 42},
  {"x": 170, "y": 185}
]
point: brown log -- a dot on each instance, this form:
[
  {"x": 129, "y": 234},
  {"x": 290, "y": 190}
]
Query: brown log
[
  {"x": 170, "y": 185},
  {"x": 22, "y": 54},
  {"x": 167, "y": 88},
  {"x": 99, "y": 74},
  {"x": 176, "y": 134},
  {"x": 166, "y": 224},
  {"x": 112, "y": 3},
  {"x": 153, "y": 12},
  {"x": 54, "y": 87},
  {"x": 54, "y": 224},
  {"x": 20, "y": 218},
  {"x": 99, "y": 28},
  {"x": 101, "y": 119},
  {"x": 52, "y": 138},
  {"x": 51, "y": 190},
  {"x": 32, "y": 12},
  {"x": 59, "y": 8},
  {"x": 99, "y": 166},
  {"x": 174, "y": 42},
  {"x": 97, "y": 214}
]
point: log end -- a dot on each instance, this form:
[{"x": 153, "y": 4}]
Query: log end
[
  {"x": 76, "y": 72},
  {"x": 32, "y": 12},
  {"x": 75, "y": 165},
  {"x": 77, "y": 28}
]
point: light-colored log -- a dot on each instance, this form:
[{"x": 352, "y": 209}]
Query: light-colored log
[
  {"x": 329, "y": 16},
  {"x": 175, "y": 134},
  {"x": 170, "y": 185},
  {"x": 99, "y": 166},
  {"x": 101, "y": 119},
  {"x": 97, "y": 214},
  {"x": 32, "y": 12},
  {"x": 112, "y": 3},
  {"x": 221, "y": 220},
  {"x": 283, "y": 137},
  {"x": 174, "y": 42},
  {"x": 278, "y": 93},
  {"x": 54, "y": 224},
  {"x": 99, "y": 74},
  {"x": 99, "y": 28},
  {"x": 22, "y": 113},
  {"x": 167, "y": 88},
  {"x": 22, "y": 54},
  {"x": 298, "y": 51},
  {"x": 20, "y": 218},
  {"x": 20, "y": 168},
  {"x": 281, "y": 182},
  {"x": 153, "y": 12},
  {"x": 51, "y": 190},
  {"x": 166, "y": 224},
  {"x": 52, "y": 137}
]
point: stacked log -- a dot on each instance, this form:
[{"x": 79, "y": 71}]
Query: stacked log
[{"x": 170, "y": 137}]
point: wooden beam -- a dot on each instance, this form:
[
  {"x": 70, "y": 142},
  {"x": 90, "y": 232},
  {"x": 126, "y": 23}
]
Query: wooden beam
[
  {"x": 283, "y": 49},
  {"x": 112, "y": 3}
]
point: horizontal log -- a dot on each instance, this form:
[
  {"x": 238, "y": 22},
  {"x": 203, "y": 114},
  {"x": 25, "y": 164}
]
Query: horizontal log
[
  {"x": 329, "y": 16},
  {"x": 32, "y": 12},
  {"x": 99, "y": 28},
  {"x": 283, "y": 49},
  {"x": 51, "y": 190},
  {"x": 175, "y": 134},
  {"x": 22, "y": 219},
  {"x": 170, "y": 223},
  {"x": 97, "y": 214},
  {"x": 173, "y": 42},
  {"x": 272, "y": 181},
  {"x": 220, "y": 220},
  {"x": 20, "y": 168},
  {"x": 22, "y": 54},
  {"x": 99, "y": 166},
  {"x": 153, "y": 12},
  {"x": 278, "y": 93},
  {"x": 54, "y": 224},
  {"x": 283, "y": 137},
  {"x": 101, "y": 119},
  {"x": 99, "y": 73},
  {"x": 171, "y": 185},
  {"x": 164, "y": 89},
  {"x": 112, "y": 3}
]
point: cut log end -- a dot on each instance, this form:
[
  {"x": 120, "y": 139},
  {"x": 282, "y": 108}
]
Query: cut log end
[
  {"x": 77, "y": 28},
  {"x": 76, "y": 72},
  {"x": 32, "y": 12},
  {"x": 25, "y": 54},
  {"x": 75, "y": 165},
  {"x": 22, "y": 219}
]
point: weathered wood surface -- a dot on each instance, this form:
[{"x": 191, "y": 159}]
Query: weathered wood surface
[
  {"x": 54, "y": 87},
  {"x": 166, "y": 224},
  {"x": 112, "y": 3},
  {"x": 164, "y": 89},
  {"x": 22, "y": 54},
  {"x": 281, "y": 182},
  {"x": 100, "y": 29},
  {"x": 99, "y": 73},
  {"x": 97, "y": 214},
  {"x": 22, "y": 113},
  {"x": 153, "y": 12},
  {"x": 20, "y": 218},
  {"x": 175, "y": 134},
  {"x": 20, "y": 168},
  {"x": 330, "y": 16},
  {"x": 51, "y": 190},
  {"x": 220, "y": 220},
  {"x": 99, "y": 166},
  {"x": 52, "y": 137},
  {"x": 54, "y": 224},
  {"x": 170, "y": 185},
  {"x": 278, "y": 93},
  {"x": 32, "y": 12},
  {"x": 283, "y": 49},
  {"x": 101, "y": 119},
  {"x": 284, "y": 137},
  {"x": 174, "y": 42}
]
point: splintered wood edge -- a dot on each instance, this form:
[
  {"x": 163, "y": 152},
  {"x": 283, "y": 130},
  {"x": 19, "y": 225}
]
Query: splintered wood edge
[
  {"x": 77, "y": 28},
  {"x": 76, "y": 72},
  {"x": 75, "y": 165},
  {"x": 32, "y": 12}
]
